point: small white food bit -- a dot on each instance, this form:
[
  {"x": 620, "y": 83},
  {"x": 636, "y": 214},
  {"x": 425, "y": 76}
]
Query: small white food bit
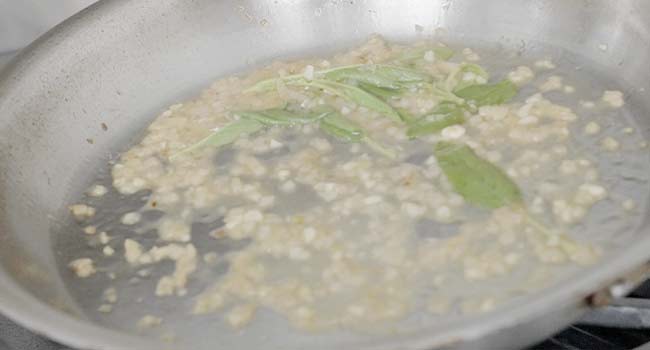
[
  {"x": 110, "y": 295},
  {"x": 131, "y": 218},
  {"x": 628, "y": 131},
  {"x": 104, "y": 238},
  {"x": 90, "y": 230},
  {"x": 568, "y": 167},
  {"x": 610, "y": 144},
  {"x": 493, "y": 112},
  {"x": 528, "y": 120},
  {"x": 345, "y": 110},
  {"x": 171, "y": 230},
  {"x": 512, "y": 258},
  {"x": 568, "y": 89},
  {"x": 97, "y": 191},
  {"x": 356, "y": 310},
  {"x": 210, "y": 258},
  {"x": 453, "y": 132},
  {"x": 521, "y": 75},
  {"x": 105, "y": 308},
  {"x": 309, "y": 233},
  {"x": 82, "y": 211},
  {"x": 470, "y": 55},
  {"x": 185, "y": 263},
  {"x": 149, "y": 321},
  {"x": 566, "y": 212},
  {"x": 267, "y": 201},
  {"x": 413, "y": 210},
  {"x": 253, "y": 216},
  {"x": 429, "y": 56},
  {"x": 274, "y": 144},
  {"x": 241, "y": 315},
  {"x": 545, "y": 64},
  {"x": 629, "y": 205},
  {"x": 83, "y": 267},
  {"x": 329, "y": 191},
  {"x": 613, "y": 98},
  {"x": 132, "y": 251},
  {"x": 208, "y": 302},
  {"x": 321, "y": 144},
  {"x": 587, "y": 104},
  {"x": 288, "y": 187},
  {"x": 108, "y": 251},
  {"x": 297, "y": 253},
  {"x": 370, "y": 200},
  {"x": 552, "y": 83},
  {"x": 603, "y": 47},
  {"x": 592, "y": 128},
  {"x": 308, "y": 73},
  {"x": 443, "y": 213},
  {"x": 590, "y": 193}
]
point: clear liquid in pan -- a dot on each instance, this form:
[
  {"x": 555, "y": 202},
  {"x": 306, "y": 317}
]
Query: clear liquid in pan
[{"x": 408, "y": 266}]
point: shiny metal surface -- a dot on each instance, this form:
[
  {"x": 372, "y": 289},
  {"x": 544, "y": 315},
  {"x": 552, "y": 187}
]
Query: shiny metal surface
[{"x": 120, "y": 60}]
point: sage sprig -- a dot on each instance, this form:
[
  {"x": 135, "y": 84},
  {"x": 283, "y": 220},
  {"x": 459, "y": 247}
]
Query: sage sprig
[
  {"x": 272, "y": 83},
  {"x": 379, "y": 75},
  {"x": 346, "y": 130},
  {"x": 251, "y": 122}
]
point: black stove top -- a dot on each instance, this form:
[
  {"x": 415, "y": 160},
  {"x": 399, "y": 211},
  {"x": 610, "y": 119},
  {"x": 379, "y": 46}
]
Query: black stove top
[{"x": 590, "y": 337}]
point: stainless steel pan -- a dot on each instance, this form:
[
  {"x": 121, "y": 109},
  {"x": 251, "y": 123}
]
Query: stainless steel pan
[{"x": 120, "y": 61}]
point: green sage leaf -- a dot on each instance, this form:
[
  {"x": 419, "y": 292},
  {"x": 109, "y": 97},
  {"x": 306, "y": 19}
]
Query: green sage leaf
[
  {"x": 382, "y": 93},
  {"x": 488, "y": 94},
  {"x": 381, "y": 76},
  {"x": 444, "y": 115},
  {"x": 476, "y": 179},
  {"x": 281, "y": 117},
  {"x": 406, "y": 115},
  {"x": 346, "y": 130},
  {"x": 226, "y": 135},
  {"x": 342, "y": 128},
  {"x": 354, "y": 94}
]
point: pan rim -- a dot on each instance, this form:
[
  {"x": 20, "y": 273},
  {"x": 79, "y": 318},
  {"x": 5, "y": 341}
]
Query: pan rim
[{"x": 41, "y": 318}]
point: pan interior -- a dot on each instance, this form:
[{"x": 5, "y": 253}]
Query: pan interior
[
  {"x": 85, "y": 93},
  {"x": 608, "y": 225}
]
